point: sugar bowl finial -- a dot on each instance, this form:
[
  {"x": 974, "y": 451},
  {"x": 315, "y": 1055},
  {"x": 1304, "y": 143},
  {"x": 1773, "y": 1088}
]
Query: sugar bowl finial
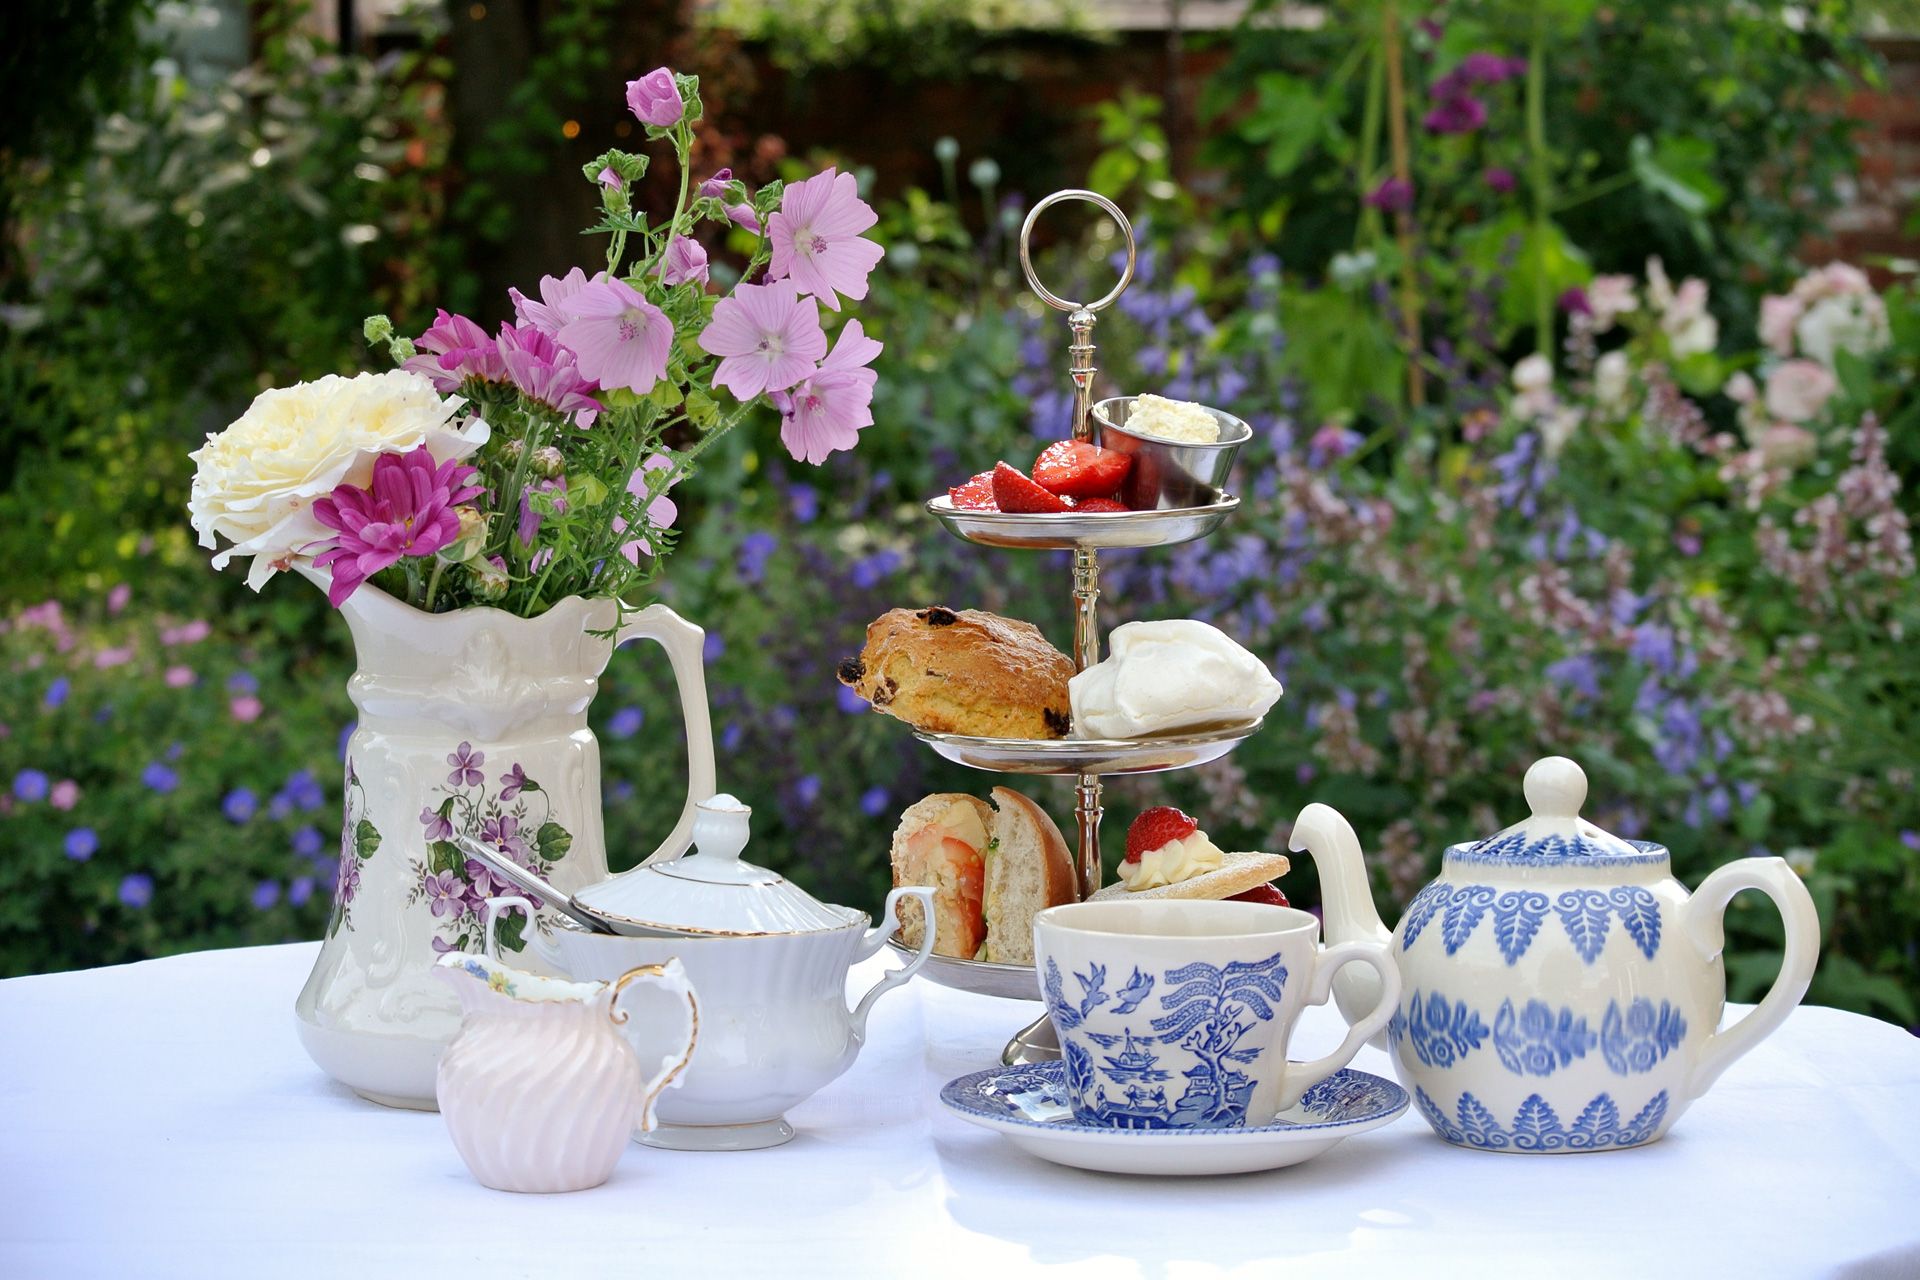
[
  {"x": 720, "y": 828},
  {"x": 1555, "y": 787}
]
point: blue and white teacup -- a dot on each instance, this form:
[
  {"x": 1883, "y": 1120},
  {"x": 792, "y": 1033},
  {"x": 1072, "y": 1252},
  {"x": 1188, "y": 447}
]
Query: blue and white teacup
[{"x": 1176, "y": 1014}]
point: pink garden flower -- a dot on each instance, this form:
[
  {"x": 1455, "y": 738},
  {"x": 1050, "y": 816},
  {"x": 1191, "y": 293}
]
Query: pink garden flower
[
  {"x": 655, "y": 99},
  {"x": 661, "y": 512},
  {"x": 544, "y": 315},
  {"x": 408, "y": 510},
  {"x": 686, "y": 259},
  {"x": 461, "y": 350},
  {"x": 545, "y": 371},
  {"x": 66, "y": 794},
  {"x": 816, "y": 238},
  {"x": 715, "y": 188},
  {"x": 246, "y": 708},
  {"x": 618, "y": 337},
  {"x": 767, "y": 336},
  {"x": 744, "y": 216},
  {"x": 1798, "y": 389},
  {"x": 825, "y": 412}
]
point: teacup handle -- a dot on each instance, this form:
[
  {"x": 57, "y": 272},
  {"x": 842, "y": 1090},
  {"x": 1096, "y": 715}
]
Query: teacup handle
[
  {"x": 1703, "y": 919},
  {"x": 686, "y": 650},
  {"x": 673, "y": 978},
  {"x": 491, "y": 909},
  {"x": 1301, "y": 1076},
  {"x": 879, "y": 934}
]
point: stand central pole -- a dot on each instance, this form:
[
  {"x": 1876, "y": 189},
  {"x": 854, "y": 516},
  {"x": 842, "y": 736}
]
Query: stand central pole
[{"x": 1086, "y": 652}]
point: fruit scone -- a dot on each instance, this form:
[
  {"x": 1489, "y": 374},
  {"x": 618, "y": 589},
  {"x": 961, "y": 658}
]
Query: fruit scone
[
  {"x": 963, "y": 671},
  {"x": 992, "y": 868},
  {"x": 1169, "y": 856}
]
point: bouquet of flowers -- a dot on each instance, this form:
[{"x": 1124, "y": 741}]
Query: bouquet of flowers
[{"x": 519, "y": 469}]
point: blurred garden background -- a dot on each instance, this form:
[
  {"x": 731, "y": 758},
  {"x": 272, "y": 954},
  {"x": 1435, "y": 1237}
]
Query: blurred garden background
[{"x": 1579, "y": 337}]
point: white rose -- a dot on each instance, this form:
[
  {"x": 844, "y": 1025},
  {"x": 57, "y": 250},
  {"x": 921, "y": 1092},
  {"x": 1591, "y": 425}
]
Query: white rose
[
  {"x": 1835, "y": 280},
  {"x": 1611, "y": 378},
  {"x": 1777, "y": 318},
  {"x": 1798, "y": 389},
  {"x": 1853, "y": 321},
  {"x": 256, "y": 481}
]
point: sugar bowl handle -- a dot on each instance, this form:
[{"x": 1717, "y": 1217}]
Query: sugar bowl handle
[
  {"x": 879, "y": 934},
  {"x": 1702, "y": 919},
  {"x": 672, "y": 978},
  {"x": 1301, "y": 1076}
]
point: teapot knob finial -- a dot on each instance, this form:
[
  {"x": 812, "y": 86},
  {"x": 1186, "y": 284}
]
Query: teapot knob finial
[
  {"x": 720, "y": 828},
  {"x": 1555, "y": 787}
]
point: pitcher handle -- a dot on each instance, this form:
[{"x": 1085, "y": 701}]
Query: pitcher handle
[
  {"x": 686, "y": 650},
  {"x": 1301, "y": 1076},
  {"x": 876, "y": 936},
  {"x": 673, "y": 978},
  {"x": 1703, "y": 919},
  {"x": 537, "y": 944}
]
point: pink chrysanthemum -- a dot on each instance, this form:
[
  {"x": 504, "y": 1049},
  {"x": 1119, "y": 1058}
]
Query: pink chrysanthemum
[
  {"x": 816, "y": 238},
  {"x": 767, "y": 336},
  {"x": 545, "y": 371},
  {"x": 460, "y": 350},
  {"x": 544, "y": 315},
  {"x": 618, "y": 337},
  {"x": 826, "y": 412},
  {"x": 408, "y": 510}
]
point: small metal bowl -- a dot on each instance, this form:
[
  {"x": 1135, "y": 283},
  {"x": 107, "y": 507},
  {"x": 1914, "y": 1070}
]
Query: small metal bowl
[{"x": 1167, "y": 474}]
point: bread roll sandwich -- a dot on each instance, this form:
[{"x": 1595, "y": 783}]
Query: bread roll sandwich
[{"x": 991, "y": 869}]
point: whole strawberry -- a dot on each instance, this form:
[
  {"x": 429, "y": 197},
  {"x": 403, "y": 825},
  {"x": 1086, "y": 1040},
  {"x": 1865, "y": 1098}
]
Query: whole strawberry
[{"x": 1156, "y": 828}]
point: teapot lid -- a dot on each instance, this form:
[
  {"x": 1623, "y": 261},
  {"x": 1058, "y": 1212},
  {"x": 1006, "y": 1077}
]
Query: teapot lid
[
  {"x": 1555, "y": 834},
  {"x": 712, "y": 891}
]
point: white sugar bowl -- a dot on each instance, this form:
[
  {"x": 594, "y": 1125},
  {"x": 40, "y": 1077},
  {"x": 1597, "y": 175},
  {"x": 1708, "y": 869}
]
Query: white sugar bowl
[{"x": 770, "y": 965}]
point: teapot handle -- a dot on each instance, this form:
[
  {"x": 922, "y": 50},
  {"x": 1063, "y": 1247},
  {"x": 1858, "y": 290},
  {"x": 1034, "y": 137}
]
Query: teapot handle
[
  {"x": 879, "y": 934},
  {"x": 672, "y": 977},
  {"x": 686, "y": 650},
  {"x": 492, "y": 908},
  {"x": 1702, "y": 919},
  {"x": 1301, "y": 1076}
]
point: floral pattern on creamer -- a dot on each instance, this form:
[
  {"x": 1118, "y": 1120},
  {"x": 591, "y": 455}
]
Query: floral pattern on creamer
[
  {"x": 454, "y": 886},
  {"x": 359, "y": 841}
]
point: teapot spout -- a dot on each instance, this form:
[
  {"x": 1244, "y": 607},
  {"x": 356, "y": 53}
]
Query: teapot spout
[{"x": 1346, "y": 901}]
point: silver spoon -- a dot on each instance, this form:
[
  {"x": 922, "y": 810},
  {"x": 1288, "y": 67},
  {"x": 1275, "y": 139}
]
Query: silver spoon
[{"x": 527, "y": 882}]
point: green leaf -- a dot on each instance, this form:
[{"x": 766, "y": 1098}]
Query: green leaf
[
  {"x": 554, "y": 841},
  {"x": 1341, "y": 349},
  {"x": 701, "y": 409},
  {"x": 591, "y": 491},
  {"x": 1513, "y": 248},
  {"x": 444, "y": 855},
  {"x": 365, "y": 840},
  {"x": 1680, "y": 170},
  {"x": 509, "y": 931},
  {"x": 1289, "y": 117}
]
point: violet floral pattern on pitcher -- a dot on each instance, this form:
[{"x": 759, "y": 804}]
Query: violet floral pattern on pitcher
[
  {"x": 454, "y": 886},
  {"x": 359, "y": 841}
]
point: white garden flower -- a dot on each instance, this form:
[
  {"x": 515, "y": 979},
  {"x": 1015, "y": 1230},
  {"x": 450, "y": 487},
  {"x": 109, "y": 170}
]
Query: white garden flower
[
  {"x": 1610, "y": 297},
  {"x": 1798, "y": 389},
  {"x": 1611, "y": 380},
  {"x": 1778, "y": 315},
  {"x": 256, "y": 482},
  {"x": 1533, "y": 379},
  {"x": 1855, "y": 322},
  {"x": 1689, "y": 326}
]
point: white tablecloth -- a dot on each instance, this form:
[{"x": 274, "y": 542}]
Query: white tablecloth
[{"x": 160, "y": 1119}]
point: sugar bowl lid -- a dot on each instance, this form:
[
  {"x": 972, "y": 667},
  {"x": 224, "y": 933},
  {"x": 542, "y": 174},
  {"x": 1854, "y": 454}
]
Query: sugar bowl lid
[
  {"x": 1555, "y": 834},
  {"x": 712, "y": 891}
]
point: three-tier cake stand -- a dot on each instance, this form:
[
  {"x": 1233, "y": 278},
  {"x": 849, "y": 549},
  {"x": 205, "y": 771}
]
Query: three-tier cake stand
[{"x": 1085, "y": 534}]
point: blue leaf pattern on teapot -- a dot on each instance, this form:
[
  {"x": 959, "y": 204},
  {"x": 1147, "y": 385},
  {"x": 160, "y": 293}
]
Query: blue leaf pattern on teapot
[{"x": 1585, "y": 914}]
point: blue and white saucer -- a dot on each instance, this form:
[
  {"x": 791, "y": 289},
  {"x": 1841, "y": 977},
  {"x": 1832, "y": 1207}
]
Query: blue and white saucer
[{"x": 1029, "y": 1105}]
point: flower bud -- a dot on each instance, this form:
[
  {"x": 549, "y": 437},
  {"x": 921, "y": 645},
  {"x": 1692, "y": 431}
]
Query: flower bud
[
  {"x": 512, "y": 450},
  {"x": 490, "y": 580},
  {"x": 548, "y": 461},
  {"x": 468, "y": 543}
]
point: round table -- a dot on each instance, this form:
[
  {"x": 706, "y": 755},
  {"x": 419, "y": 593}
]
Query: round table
[{"x": 160, "y": 1119}]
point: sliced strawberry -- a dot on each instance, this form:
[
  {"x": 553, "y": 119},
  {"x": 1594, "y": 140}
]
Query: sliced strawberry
[
  {"x": 1014, "y": 492},
  {"x": 1099, "y": 504},
  {"x": 1076, "y": 469},
  {"x": 1261, "y": 893},
  {"x": 976, "y": 494},
  {"x": 1156, "y": 828}
]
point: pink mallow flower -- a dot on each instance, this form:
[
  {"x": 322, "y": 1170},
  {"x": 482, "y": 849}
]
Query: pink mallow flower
[
  {"x": 545, "y": 371},
  {"x": 544, "y": 315},
  {"x": 767, "y": 336},
  {"x": 685, "y": 259},
  {"x": 715, "y": 188},
  {"x": 743, "y": 215},
  {"x": 661, "y": 512},
  {"x": 816, "y": 238},
  {"x": 408, "y": 510},
  {"x": 619, "y": 338},
  {"x": 825, "y": 413},
  {"x": 461, "y": 350},
  {"x": 655, "y": 99}
]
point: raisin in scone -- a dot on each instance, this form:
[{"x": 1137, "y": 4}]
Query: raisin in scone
[{"x": 965, "y": 672}]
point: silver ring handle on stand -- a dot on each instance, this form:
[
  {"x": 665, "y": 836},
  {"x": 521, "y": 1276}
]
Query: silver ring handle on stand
[{"x": 1086, "y": 568}]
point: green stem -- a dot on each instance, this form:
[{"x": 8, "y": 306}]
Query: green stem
[
  {"x": 1542, "y": 183},
  {"x": 1597, "y": 190},
  {"x": 433, "y": 582},
  {"x": 413, "y": 581},
  {"x": 683, "y": 151},
  {"x": 683, "y": 463}
]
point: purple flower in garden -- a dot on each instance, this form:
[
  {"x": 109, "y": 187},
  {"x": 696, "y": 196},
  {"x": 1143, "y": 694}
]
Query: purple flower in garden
[
  {"x": 1395, "y": 195},
  {"x": 620, "y": 792},
  {"x": 803, "y": 500},
  {"x": 715, "y": 188},
  {"x": 685, "y": 260},
  {"x": 869, "y": 571},
  {"x": 626, "y": 722},
  {"x": 159, "y": 777},
  {"x": 1581, "y": 673},
  {"x": 1304, "y": 774},
  {"x": 437, "y": 826},
  {"x": 65, "y": 794},
  {"x": 1653, "y": 645},
  {"x": 57, "y": 692},
  {"x": 1911, "y": 839},
  {"x": 1501, "y": 180},
  {"x": 545, "y": 315},
  {"x": 81, "y": 843},
  {"x": 825, "y": 412},
  {"x": 514, "y": 781},
  {"x": 530, "y": 516},
  {"x": 299, "y": 891},
  {"x": 306, "y": 841},
  {"x": 816, "y": 238},
  {"x": 655, "y": 99},
  {"x": 1456, "y": 115},
  {"x": 304, "y": 789},
  {"x": 712, "y": 648},
  {"x": 137, "y": 889},
  {"x": 460, "y": 350},
  {"x": 807, "y": 790},
  {"x": 503, "y": 832},
  {"x": 619, "y": 338},
  {"x": 179, "y": 677},
  {"x": 445, "y": 892},
  {"x": 849, "y": 701},
  {"x": 466, "y": 764},
  {"x": 873, "y": 801},
  {"x": 240, "y": 805},
  {"x": 30, "y": 785},
  {"x": 755, "y": 550},
  {"x": 1574, "y": 302},
  {"x": 243, "y": 682},
  {"x": 768, "y": 338},
  {"x": 730, "y": 736},
  {"x": 545, "y": 371},
  {"x": 266, "y": 894},
  {"x": 407, "y": 510},
  {"x": 118, "y": 597}
]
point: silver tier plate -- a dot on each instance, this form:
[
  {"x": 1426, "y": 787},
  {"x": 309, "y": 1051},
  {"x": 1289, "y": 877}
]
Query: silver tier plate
[
  {"x": 1084, "y": 531},
  {"x": 1007, "y": 981},
  {"x": 1091, "y": 755}
]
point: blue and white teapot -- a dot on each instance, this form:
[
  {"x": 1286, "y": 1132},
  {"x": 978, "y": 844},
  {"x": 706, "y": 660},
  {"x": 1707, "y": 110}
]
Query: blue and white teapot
[{"x": 1560, "y": 989}]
